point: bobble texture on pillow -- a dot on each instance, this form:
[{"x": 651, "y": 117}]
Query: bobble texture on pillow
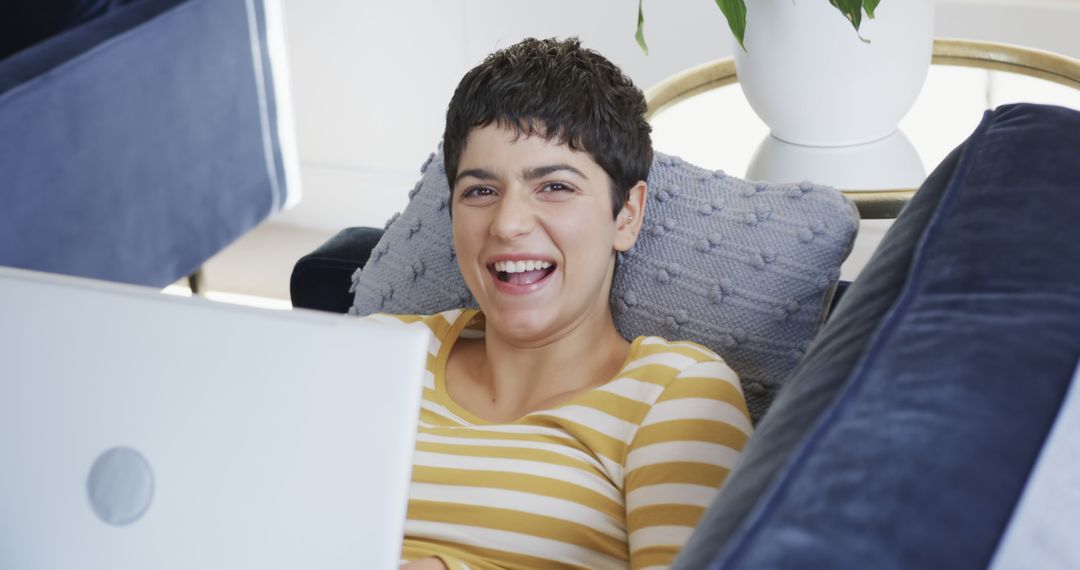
[{"x": 744, "y": 268}]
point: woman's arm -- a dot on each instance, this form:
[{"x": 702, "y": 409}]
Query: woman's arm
[{"x": 687, "y": 444}]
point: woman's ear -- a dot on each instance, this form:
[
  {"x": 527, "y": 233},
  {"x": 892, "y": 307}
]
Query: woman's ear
[{"x": 628, "y": 221}]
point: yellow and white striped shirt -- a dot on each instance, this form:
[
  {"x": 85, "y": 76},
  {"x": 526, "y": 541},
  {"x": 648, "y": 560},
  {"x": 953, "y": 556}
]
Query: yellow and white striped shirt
[{"x": 617, "y": 477}]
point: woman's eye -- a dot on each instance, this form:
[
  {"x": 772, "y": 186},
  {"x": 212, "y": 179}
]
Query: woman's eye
[
  {"x": 478, "y": 192},
  {"x": 556, "y": 187}
]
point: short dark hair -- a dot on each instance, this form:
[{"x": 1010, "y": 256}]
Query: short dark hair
[{"x": 558, "y": 90}]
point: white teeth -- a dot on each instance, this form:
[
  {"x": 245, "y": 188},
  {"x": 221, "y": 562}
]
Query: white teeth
[{"x": 521, "y": 266}]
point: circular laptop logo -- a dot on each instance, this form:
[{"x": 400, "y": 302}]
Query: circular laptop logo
[{"x": 120, "y": 486}]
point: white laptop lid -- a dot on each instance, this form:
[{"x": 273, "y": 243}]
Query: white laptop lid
[{"x": 260, "y": 439}]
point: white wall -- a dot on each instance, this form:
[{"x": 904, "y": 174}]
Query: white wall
[{"x": 371, "y": 79}]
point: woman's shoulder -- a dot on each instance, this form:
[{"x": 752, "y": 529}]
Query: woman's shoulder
[
  {"x": 440, "y": 324},
  {"x": 691, "y": 382},
  {"x": 678, "y": 356}
]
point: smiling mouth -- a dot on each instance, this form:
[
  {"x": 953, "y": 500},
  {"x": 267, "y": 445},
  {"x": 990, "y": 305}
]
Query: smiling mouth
[{"x": 522, "y": 272}]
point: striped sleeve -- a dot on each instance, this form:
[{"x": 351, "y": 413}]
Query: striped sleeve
[{"x": 680, "y": 456}]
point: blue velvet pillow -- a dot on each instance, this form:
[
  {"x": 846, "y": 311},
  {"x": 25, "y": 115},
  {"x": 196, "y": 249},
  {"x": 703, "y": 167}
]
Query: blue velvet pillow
[
  {"x": 923, "y": 453},
  {"x": 821, "y": 375}
]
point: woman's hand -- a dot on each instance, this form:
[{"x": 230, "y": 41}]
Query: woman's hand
[{"x": 424, "y": 564}]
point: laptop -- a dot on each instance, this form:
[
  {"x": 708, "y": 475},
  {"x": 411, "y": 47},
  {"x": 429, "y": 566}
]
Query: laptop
[{"x": 140, "y": 430}]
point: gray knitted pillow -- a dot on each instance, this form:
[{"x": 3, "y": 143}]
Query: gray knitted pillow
[{"x": 744, "y": 268}]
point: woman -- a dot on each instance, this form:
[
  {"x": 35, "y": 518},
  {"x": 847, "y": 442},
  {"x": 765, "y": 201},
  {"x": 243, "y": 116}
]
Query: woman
[{"x": 546, "y": 439}]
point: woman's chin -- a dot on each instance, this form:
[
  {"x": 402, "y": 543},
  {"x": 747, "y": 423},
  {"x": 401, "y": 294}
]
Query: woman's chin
[{"x": 522, "y": 324}]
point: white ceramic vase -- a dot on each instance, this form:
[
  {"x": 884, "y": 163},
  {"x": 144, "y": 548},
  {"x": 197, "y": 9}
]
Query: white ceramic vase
[
  {"x": 813, "y": 81},
  {"x": 887, "y": 164}
]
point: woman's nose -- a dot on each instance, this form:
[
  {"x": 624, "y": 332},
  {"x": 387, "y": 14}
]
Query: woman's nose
[{"x": 514, "y": 217}]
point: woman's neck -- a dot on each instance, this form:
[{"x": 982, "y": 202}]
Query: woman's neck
[{"x": 514, "y": 380}]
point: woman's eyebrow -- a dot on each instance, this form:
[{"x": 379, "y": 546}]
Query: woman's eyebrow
[
  {"x": 542, "y": 171},
  {"x": 479, "y": 173},
  {"x": 528, "y": 174}
]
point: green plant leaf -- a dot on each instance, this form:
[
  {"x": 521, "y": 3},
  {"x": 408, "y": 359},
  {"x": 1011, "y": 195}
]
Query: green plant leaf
[
  {"x": 640, "y": 35},
  {"x": 870, "y": 6},
  {"x": 851, "y": 9},
  {"x": 735, "y": 12}
]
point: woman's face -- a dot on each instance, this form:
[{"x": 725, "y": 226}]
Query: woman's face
[{"x": 534, "y": 233}]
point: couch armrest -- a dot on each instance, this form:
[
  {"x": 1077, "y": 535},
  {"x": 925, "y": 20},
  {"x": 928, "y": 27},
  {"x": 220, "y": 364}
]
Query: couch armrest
[{"x": 321, "y": 279}]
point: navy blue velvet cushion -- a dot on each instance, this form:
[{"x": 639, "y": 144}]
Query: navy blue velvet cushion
[
  {"x": 821, "y": 374},
  {"x": 920, "y": 445}
]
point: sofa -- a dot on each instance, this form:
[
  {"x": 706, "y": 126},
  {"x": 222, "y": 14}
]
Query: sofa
[
  {"x": 141, "y": 137},
  {"x": 907, "y": 433}
]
